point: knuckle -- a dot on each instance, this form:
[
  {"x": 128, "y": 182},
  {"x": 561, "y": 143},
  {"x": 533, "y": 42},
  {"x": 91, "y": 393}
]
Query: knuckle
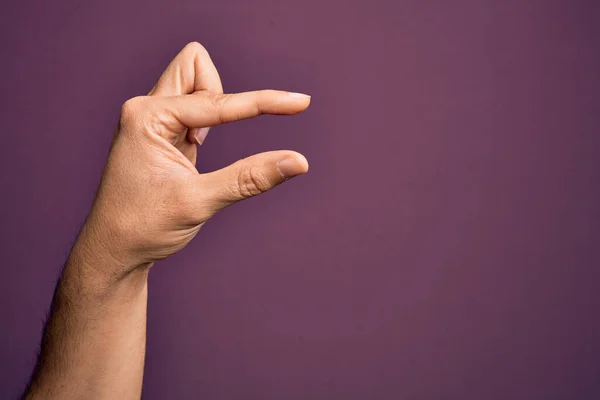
[
  {"x": 218, "y": 102},
  {"x": 130, "y": 110},
  {"x": 142, "y": 114},
  {"x": 251, "y": 182},
  {"x": 195, "y": 48}
]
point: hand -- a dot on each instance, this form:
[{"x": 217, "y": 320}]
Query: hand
[{"x": 152, "y": 201}]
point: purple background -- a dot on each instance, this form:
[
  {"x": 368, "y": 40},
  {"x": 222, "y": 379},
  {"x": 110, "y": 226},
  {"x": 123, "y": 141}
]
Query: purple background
[{"x": 444, "y": 245}]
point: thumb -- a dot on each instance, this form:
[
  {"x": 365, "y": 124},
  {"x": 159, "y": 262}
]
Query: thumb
[{"x": 249, "y": 177}]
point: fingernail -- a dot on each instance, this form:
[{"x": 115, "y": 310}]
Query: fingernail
[
  {"x": 290, "y": 167},
  {"x": 201, "y": 134},
  {"x": 299, "y": 95}
]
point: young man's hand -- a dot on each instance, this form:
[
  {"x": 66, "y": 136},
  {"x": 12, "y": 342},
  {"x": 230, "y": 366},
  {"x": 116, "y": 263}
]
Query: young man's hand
[{"x": 152, "y": 201}]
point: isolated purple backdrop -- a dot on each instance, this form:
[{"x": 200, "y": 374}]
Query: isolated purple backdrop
[{"x": 444, "y": 245}]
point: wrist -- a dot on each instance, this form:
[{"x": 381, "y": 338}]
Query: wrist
[
  {"x": 99, "y": 277},
  {"x": 101, "y": 264}
]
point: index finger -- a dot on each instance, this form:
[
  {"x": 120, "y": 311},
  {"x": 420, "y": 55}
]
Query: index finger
[{"x": 204, "y": 109}]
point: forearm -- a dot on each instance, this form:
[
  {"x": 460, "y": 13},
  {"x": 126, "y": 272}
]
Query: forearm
[{"x": 94, "y": 341}]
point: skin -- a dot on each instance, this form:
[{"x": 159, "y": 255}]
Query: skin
[{"x": 150, "y": 204}]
